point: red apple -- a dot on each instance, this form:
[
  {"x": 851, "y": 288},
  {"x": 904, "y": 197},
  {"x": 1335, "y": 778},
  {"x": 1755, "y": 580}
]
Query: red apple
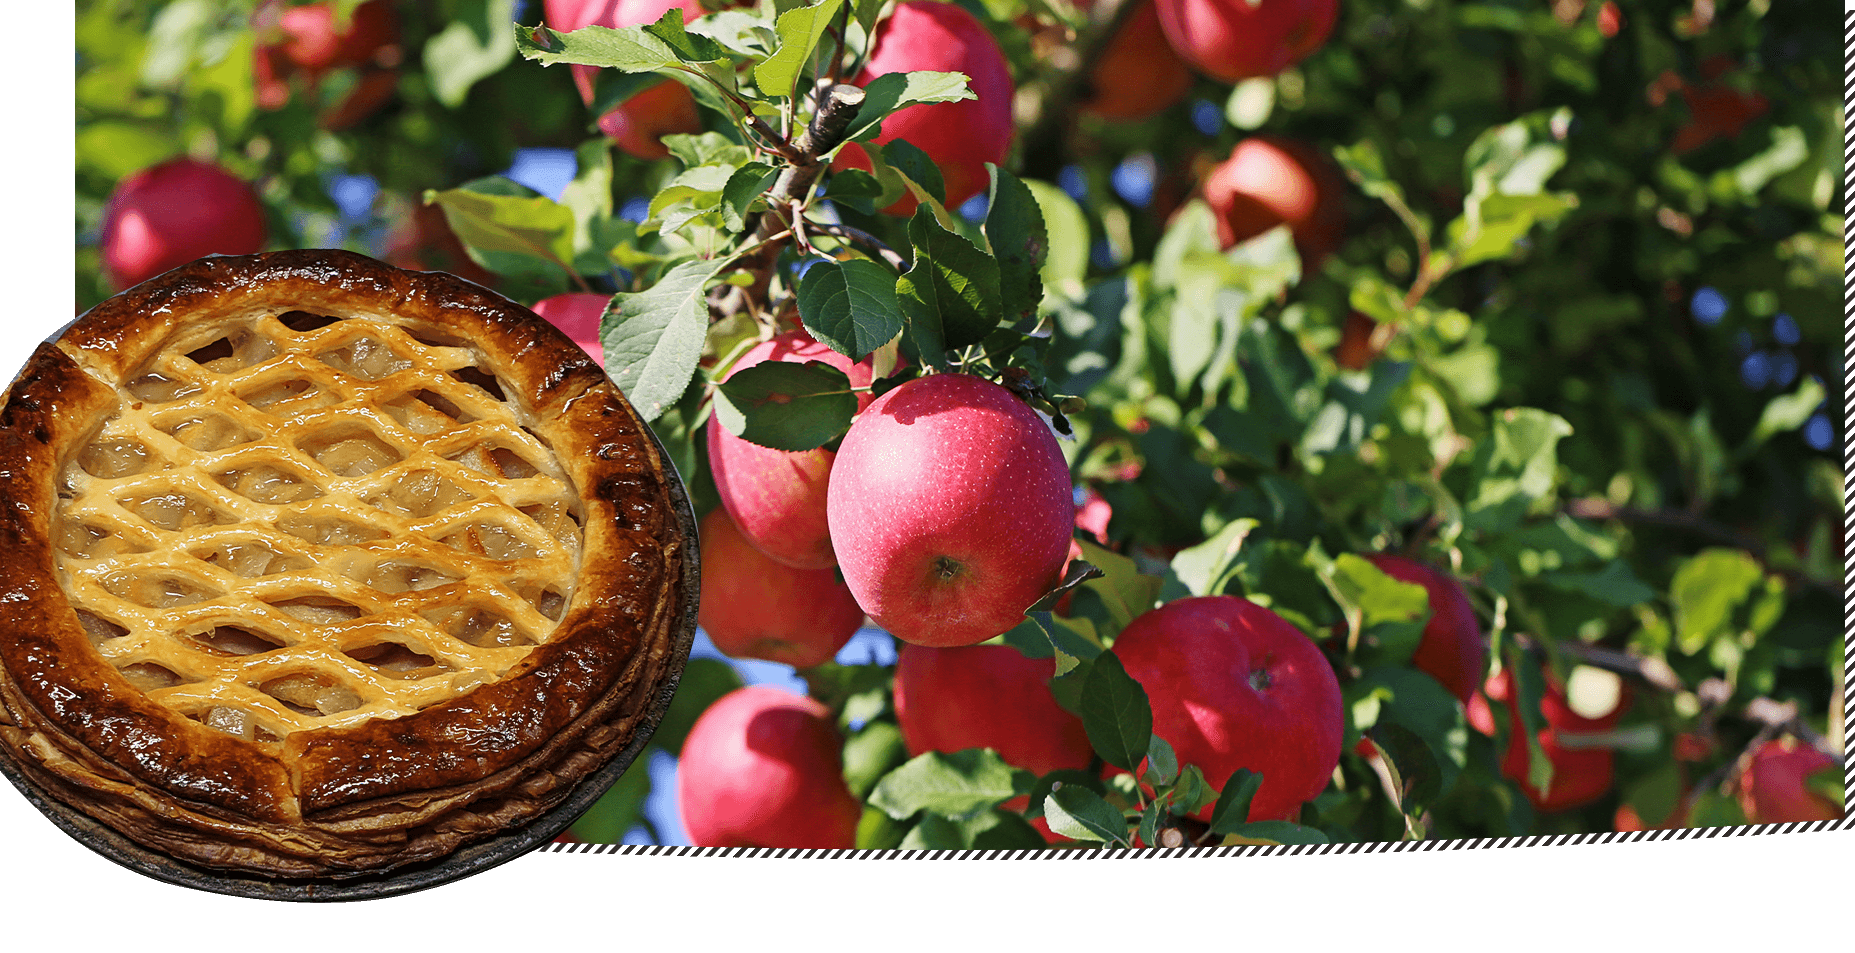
[
  {"x": 577, "y": 316},
  {"x": 174, "y": 212},
  {"x": 764, "y": 768},
  {"x": 1580, "y": 773},
  {"x": 960, "y": 137},
  {"x": 1772, "y": 790},
  {"x": 1270, "y": 181},
  {"x": 777, "y": 497},
  {"x": 1231, "y": 40},
  {"x": 638, "y": 124},
  {"x": 1137, "y": 74},
  {"x": 950, "y": 509},
  {"x": 1233, "y": 685},
  {"x": 753, "y": 607},
  {"x": 986, "y": 696},
  {"x": 1452, "y": 650}
]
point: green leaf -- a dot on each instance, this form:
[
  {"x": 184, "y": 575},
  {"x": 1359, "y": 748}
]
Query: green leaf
[
  {"x": 1191, "y": 791},
  {"x": 748, "y": 183},
  {"x": 1616, "y": 584},
  {"x": 688, "y": 47},
  {"x": 894, "y": 91},
  {"x": 1078, "y": 572},
  {"x": 1123, "y": 589},
  {"x": 1014, "y": 226},
  {"x": 950, "y": 295},
  {"x": 785, "y": 405},
  {"x": 850, "y": 306},
  {"x": 527, "y": 225},
  {"x": 1066, "y": 262},
  {"x": 630, "y": 49},
  {"x": 1784, "y": 413},
  {"x": 991, "y": 830},
  {"x": 916, "y": 167},
  {"x": 1208, "y": 566},
  {"x": 1274, "y": 832},
  {"x": 1080, "y": 814},
  {"x": 876, "y": 830},
  {"x": 1233, "y": 803},
  {"x": 472, "y": 45},
  {"x": 1162, "y": 763},
  {"x": 1707, "y": 591},
  {"x": 1115, "y": 713},
  {"x": 957, "y": 786},
  {"x": 653, "y": 338},
  {"x": 1499, "y": 222},
  {"x": 799, "y": 32},
  {"x": 870, "y": 754},
  {"x": 1515, "y": 467}
]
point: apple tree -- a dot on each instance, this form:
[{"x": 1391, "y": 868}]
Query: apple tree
[{"x": 1255, "y": 421}]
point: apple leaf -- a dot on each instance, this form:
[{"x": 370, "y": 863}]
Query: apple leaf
[
  {"x": 1066, "y": 261},
  {"x": 950, "y": 296},
  {"x": 693, "y": 192},
  {"x": 1191, "y": 791},
  {"x": 1714, "y": 809},
  {"x": 1080, "y": 814},
  {"x": 990, "y": 830},
  {"x": 1116, "y": 713},
  {"x": 894, "y": 91},
  {"x": 1233, "y": 803},
  {"x": 1014, "y": 226},
  {"x": 1149, "y": 829},
  {"x": 1123, "y": 589},
  {"x": 785, "y": 405},
  {"x": 1418, "y": 777},
  {"x": 748, "y": 183},
  {"x": 957, "y": 786},
  {"x": 472, "y": 45},
  {"x": 1707, "y": 592},
  {"x": 870, "y": 754},
  {"x": 653, "y": 338},
  {"x": 631, "y": 49},
  {"x": 876, "y": 830},
  {"x": 688, "y": 47},
  {"x": 1270, "y": 833},
  {"x": 916, "y": 167},
  {"x": 850, "y": 306},
  {"x": 1615, "y": 585},
  {"x": 1516, "y": 465},
  {"x": 1162, "y": 764},
  {"x": 497, "y": 216},
  {"x": 1205, "y": 569},
  {"x": 799, "y": 31},
  {"x": 1390, "y": 612}
]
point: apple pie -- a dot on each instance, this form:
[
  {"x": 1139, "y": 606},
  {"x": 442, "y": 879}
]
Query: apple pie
[{"x": 316, "y": 568}]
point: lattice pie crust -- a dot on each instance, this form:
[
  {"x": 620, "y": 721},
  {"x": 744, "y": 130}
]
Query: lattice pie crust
[{"x": 316, "y": 567}]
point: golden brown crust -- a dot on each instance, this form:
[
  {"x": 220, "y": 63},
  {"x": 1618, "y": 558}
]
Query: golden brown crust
[{"x": 376, "y": 793}]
